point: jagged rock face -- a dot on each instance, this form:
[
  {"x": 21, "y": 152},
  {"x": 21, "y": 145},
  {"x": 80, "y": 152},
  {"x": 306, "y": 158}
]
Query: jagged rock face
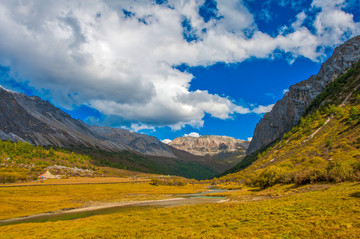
[
  {"x": 38, "y": 122},
  {"x": 30, "y": 119},
  {"x": 209, "y": 145},
  {"x": 287, "y": 112}
]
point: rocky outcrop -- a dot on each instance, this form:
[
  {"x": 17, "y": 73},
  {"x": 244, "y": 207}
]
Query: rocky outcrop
[
  {"x": 33, "y": 120},
  {"x": 287, "y": 112},
  {"x": 210, "y": 145}
]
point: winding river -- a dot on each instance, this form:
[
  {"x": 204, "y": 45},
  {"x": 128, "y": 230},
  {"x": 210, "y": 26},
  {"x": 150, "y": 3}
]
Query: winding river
[{"x": 74, "y": 213}]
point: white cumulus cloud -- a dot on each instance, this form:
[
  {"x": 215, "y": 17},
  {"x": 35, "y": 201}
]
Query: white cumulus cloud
[
  {"x": 192, "y": 134},
  {"x": 166, "y": 141},
  {"x": 119, "y": 57},
  {"x": 138, "y": 127},
  {"x": 261, "y": 109}
]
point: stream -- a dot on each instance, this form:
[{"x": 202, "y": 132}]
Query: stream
[{"x": 75, "y": 213}]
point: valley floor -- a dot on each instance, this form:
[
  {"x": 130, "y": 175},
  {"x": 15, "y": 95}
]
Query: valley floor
[{"x": 282, "y": 211}]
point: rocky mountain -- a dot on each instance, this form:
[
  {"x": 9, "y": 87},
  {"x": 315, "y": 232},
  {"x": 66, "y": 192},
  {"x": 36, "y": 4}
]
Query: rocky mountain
[
  {"x": 287, "y": 112},
  {"x": 211, "y": 145},
  {"x": 323, "y": 147},
  {"x": 33, "y": 120},
  {"x": 141, "y": 143}
]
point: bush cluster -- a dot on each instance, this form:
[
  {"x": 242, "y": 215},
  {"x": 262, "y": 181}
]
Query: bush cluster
[
  {"x": 168, "y": 181},
  {"x": 11, "y": 177},
  {"x": 334, "y": 171}
]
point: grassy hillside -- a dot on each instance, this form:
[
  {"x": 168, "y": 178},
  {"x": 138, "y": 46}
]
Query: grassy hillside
[
  {"x": 185, "y": 164},
  {"x": 25, "y": 162},
  {"x": 324, "y": 146}
]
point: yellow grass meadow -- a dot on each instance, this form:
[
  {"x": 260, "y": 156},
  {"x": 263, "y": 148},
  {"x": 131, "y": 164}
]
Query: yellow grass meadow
[{"x": 282, "y": 211}]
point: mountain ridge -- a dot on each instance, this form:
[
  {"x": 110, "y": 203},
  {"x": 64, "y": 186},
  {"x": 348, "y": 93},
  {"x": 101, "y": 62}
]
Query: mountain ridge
[
  {"x": 287, "y": 112},
  {"x": 209, "y": 145},
  {"x": 31, "y": 119},
  {"x": 323, "y": 147}
]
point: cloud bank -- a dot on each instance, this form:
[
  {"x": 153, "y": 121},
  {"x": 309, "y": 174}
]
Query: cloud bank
[{"x": 120, "y": 57}]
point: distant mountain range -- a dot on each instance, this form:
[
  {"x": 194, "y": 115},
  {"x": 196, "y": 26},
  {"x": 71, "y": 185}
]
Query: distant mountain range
[
  {"x": 30, "y": 119},
  {"x": 33, "y": 120},
  {"x": 210, "y": 145},
  {"x": 225, "y": 148}
]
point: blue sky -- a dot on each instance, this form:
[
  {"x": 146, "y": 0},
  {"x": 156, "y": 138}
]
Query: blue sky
[{"x": 169, "y": 68}]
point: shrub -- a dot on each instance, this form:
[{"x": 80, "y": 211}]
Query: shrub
[
  {"x": 11, "y": 177},
  {"x": 269, "y": 177},
  {"x": 286, "y": 165},
  {"x": 340, "y": 171},
  {"x": 287, "y": 177},
  {"x": 303, "y": 177},
  {"x": 167, "y": 182},
  {"x": 51, "y": 152},
  {"x": 354, "y": 114},
  {"x": 310, "y": 176},
  {"x": 317, "y": 161},
  {"x": 358, "y": 97},
  {"x": 286, "y": 135},
  {"x": 300, "y": 133},
  {"x": 321, "y": 122},
  {"x": 300, "y": 159},
  {"x": 336, "y": 111},
  {"x": 328, "y": 143}
]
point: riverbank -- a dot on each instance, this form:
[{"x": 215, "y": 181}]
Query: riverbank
[
  {"x": 100, "y": 208},
  {"x": 31, "y": 200}
]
